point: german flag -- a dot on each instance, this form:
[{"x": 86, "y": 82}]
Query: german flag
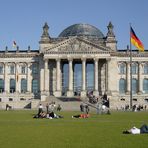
[{"x": 135, "y": 41}]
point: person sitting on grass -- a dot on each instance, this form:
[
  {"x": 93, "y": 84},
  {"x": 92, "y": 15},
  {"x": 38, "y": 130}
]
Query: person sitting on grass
[
  {"x": 8, "y": 107},
  {"x": 81, "y": 116},
  {"x": 40, "y": 115},
  {"x": 49, "y": 115},
  {"x": 52, "y": 115},
  {"x": 134, "y": 130}
]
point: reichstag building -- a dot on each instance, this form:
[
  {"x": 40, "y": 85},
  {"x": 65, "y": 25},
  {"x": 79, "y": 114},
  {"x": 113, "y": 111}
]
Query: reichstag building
[{"x": 81, "y": 59}]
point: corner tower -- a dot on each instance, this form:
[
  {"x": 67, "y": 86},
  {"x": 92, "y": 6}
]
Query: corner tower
[{"x": 110, "y": 38}]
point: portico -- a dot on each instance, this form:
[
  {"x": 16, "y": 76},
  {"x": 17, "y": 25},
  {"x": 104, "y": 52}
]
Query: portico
[{"x": 75, "y": 81}]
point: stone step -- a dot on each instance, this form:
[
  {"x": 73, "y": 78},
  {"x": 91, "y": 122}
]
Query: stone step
[{"x": 67, "y": 103}]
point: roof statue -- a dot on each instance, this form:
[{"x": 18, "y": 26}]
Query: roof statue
[
  {"x": 45, "y": 36},
  {"x": 110, "y": 30}
]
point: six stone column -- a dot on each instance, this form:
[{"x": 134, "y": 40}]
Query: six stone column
[
  {"x": 96, "y": 92},
  {"x": 83, "y": 92},
  {"x": 70, "y": 92},
  {"x": 58, "y": 91}
]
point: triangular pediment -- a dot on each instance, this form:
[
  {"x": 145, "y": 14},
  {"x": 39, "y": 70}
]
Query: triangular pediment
[{"x": 76, "y": 44}]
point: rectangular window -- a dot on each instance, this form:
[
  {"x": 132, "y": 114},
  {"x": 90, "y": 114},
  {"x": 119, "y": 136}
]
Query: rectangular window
[
  {"x": 23, "y": 70},
  {"x": 134, "y": 69},
  {"x": 35, "y": 86},
  {"x": 34, "y": 68},
  {"x": 145, "y": 69},
  {"x": 1, "y": 69},
  {"x": 12, "y": 69}
]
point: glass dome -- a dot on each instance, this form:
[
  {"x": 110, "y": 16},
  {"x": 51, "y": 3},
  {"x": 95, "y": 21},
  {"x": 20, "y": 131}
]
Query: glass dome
[{"x": 81, "y": 30}]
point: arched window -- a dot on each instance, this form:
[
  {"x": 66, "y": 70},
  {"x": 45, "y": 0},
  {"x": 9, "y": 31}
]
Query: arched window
[
  {"x": 122, "y": 68},
  {"x": 12, "y": 85},
  {"x": 23, "y": 85},
  {"x": 145, "y": 68},
  {"x": 134, "y": 86},
  {"x": 34, "y": 85},
  {"x": 134, "y": 68},
  {"x": 122, "y": 86},
  {"x": 1, "y": 85},
  {"x": 145, "y": 85}
]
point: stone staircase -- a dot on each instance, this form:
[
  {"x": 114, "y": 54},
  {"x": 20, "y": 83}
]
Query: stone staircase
[{"x": 67, "y": 103}]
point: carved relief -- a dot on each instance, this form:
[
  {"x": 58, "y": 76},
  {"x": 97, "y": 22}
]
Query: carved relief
[{"x": 74, "y": 45}]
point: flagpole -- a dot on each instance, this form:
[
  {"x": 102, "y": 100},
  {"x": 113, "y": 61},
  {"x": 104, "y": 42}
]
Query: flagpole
[{"x": 131, "y": 94}]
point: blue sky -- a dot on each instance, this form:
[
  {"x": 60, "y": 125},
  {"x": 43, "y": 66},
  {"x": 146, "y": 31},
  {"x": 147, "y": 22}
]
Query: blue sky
[{"x": 22, "y": 20}]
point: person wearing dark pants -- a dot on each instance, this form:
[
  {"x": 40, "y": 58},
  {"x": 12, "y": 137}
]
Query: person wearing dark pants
[{"x": 144, "y": 129}]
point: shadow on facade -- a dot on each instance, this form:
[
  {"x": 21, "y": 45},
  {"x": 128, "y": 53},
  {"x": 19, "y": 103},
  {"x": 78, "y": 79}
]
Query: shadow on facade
[
  {"x": 70, "y": 99},
  {"x": 28, "y": 106}
]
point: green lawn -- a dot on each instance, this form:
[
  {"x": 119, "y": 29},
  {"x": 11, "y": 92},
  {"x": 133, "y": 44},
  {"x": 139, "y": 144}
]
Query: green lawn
[{"x": 19, "y": 130}]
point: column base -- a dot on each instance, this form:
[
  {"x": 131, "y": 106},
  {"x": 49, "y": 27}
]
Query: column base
[
  {"x": 127, "y": 93},
  {"x": 44, "y": 95},
  {"x": 140, "y": 92},
  {"x": 83, "y": 94},
  {"x": 70, "y": 93},
  {"x": 57, "y": 93},
  {"x": 109, "y": 93},
  {"x": 96, "y": 93}
]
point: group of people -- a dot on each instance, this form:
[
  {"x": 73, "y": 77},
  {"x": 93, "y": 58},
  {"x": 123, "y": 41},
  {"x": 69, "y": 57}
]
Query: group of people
[
  {"x": 49, "y": 114},
  {"x": 139, "y": 107},
  {"x": 135, "y": 107}
]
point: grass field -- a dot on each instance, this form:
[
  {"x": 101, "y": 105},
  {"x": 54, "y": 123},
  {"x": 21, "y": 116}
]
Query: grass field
[{"x": 19, "y": 130}]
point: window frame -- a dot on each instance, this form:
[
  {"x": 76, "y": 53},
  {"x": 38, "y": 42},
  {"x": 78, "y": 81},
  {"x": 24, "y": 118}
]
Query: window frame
[{"x": 122, "y": 86}]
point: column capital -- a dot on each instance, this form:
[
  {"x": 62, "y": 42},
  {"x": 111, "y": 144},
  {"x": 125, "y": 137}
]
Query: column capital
[
  {"x": 127, "y": 62},
  {"x": 58, "y": 59},
  {"x": 46, "y": 60},
  {"x": 139, "y": 62},
  {"x": 83, "y": 59},
  {"x": 108, "y": 59},
  {"x": 70, "y": 59},
  {"x": 29, "y": 63},
  {"x": 96, "y": 59},
  {"x": 17, "y": 63},
  {"x": 6, "y": 63}
]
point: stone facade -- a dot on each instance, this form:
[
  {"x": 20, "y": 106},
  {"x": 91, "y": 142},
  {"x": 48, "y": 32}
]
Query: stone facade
[{"x": 27, "y": 76}]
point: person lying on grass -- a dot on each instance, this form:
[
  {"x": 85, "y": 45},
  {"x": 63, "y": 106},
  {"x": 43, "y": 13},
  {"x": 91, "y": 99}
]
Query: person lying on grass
[
  {"x": 81, "y": 116},
  {"x": 134, "y": 130}
]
